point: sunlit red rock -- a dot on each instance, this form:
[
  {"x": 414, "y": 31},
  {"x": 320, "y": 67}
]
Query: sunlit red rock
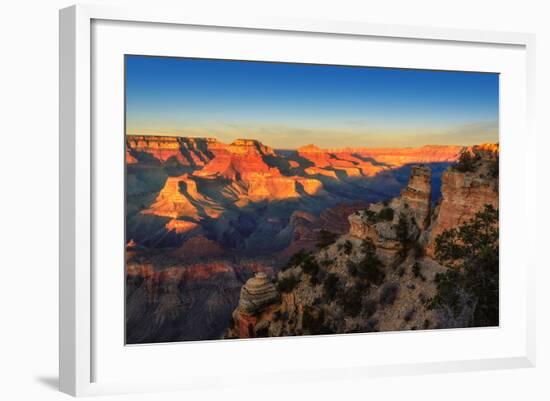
[
  {"x": 129, "y": 158},
  {"x": 180, "y": 226},
  {"x": 240, "y": 160},
  {"x": 463, "y": 194},
  {"x": 186, "y": 150},
  {"x": 321, "y": 171},
  {"x": 402, "y": 156},
  {"x": 171, "y": 202}
]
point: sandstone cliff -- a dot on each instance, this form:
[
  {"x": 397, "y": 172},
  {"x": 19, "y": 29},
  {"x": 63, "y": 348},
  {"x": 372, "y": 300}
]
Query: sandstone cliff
[{"x": 465, "y": 191}]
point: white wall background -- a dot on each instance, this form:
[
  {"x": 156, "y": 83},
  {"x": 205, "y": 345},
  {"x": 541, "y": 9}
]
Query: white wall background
[{"x": 29, "y": 199}]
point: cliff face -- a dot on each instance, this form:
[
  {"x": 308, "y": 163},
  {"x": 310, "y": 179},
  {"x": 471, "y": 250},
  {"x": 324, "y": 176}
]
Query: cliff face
[
  {"x": 417, "y": 195},
  {"x": 257, "y": 297},
  {"x": 187, "y": 151},
  {"x": 171, "y": 201},
  {"x": 464, "y": 193}
]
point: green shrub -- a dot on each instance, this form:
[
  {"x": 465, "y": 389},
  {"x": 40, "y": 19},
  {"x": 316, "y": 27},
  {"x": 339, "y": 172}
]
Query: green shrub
[
  {"x": 310, "y": 266},
  {"x": 370, "y": 307},
  {"x": 262, "y": 332},
  {"x": 403, "y": 234},
  {"x": 287, "y": 284},
  {"x": 416, "y": 269},
  {"x": 466, "y": 162},
  {"x": 326, "y": 238},
  {"x": 326, "y": 262},
  {"x": 370, "y": 267},
  {"x": 419, "y": 251},
  {"x": 472, "y": 251},
  {"x": 402, "y": 230},
  {"x": 493, "y": 168},
  {"x": 330, "y": 286},
  {"x": 371, "y": 216},
  {"x": 388, "y": 294},
  {"x": 313, "y": 321},
  {"x": 409, "y": 315},
  {"x": 348, "y": 247},
  {"x": 372, "y": 325},
  {"x": 297, "y": 259},
  {"x": 385, "y": 214},
  {"x": 353, "y": 301},
  {"x": 353, "y": 270}
]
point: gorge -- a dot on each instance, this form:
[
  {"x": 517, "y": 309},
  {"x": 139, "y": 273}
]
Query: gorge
[{"x": 241, "y": 240}]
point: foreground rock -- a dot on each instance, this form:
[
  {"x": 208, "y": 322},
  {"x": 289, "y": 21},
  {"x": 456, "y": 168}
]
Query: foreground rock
[
  {"x": 258, "y": 295},
  {"x": 389, "y": 225},
  {"x": 464, "y": 193}
]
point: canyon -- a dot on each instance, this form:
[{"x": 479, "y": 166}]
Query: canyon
[
  {"x": 383, "y": 274},
  {"x": 203, "y": 218}
]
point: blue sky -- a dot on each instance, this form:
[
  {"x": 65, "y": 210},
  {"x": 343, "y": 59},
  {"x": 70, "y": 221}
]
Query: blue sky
[{"x": 288, "y": 105}]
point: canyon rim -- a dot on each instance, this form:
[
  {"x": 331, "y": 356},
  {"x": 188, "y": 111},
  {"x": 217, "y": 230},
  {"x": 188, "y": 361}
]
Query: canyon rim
[{"x": 279, "y": 199}]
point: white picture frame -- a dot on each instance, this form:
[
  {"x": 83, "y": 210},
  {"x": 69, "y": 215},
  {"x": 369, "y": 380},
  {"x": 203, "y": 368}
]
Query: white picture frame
[{"x": 77, "y": 367}]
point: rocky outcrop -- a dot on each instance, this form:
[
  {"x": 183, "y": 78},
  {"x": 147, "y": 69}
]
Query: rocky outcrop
[
  {"x": 242, "y": 160},
  {"x": 380, "y": 223},
  {"x": 257, "y": 298},
  {"x": 171, "y": 202},
  {"x": 250, "y": 146},
  {"x": 464, "y": 193},
  {"x": 256, "y": 294},
  {"x": 187, "y": 151},
  {"x": 418, "y": 193},
  {"x": 180, "y": 197},
  {"x": 180, "y": 226}
]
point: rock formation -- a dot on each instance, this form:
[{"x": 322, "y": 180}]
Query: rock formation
[
  {"x": 257, "y": 296},
  {"x": 171, "y": 202},
  {"x": 417, "y": 195},
  {"x": 380, "y": 222},
  {"x": 464, "y": 193}
]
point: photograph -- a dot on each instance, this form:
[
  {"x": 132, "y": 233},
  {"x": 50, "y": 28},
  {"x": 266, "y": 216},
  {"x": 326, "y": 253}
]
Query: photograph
[{"x": 274, "y": 199}]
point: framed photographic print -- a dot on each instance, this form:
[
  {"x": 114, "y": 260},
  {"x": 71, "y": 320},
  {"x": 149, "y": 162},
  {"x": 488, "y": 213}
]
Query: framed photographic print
[{"x": 315, "y": 192}]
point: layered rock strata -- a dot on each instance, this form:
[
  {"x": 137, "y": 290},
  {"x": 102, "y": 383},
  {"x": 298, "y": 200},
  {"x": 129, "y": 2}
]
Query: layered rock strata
[
  {"x": 257, "y": 300},
  {"x": 463, "y": 194},
  {"x": 417, "y": 195},
  {"x": 257, "y": 293}
]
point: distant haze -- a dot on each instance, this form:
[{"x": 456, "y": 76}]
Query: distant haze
[{"x": 290, "y": 105}]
